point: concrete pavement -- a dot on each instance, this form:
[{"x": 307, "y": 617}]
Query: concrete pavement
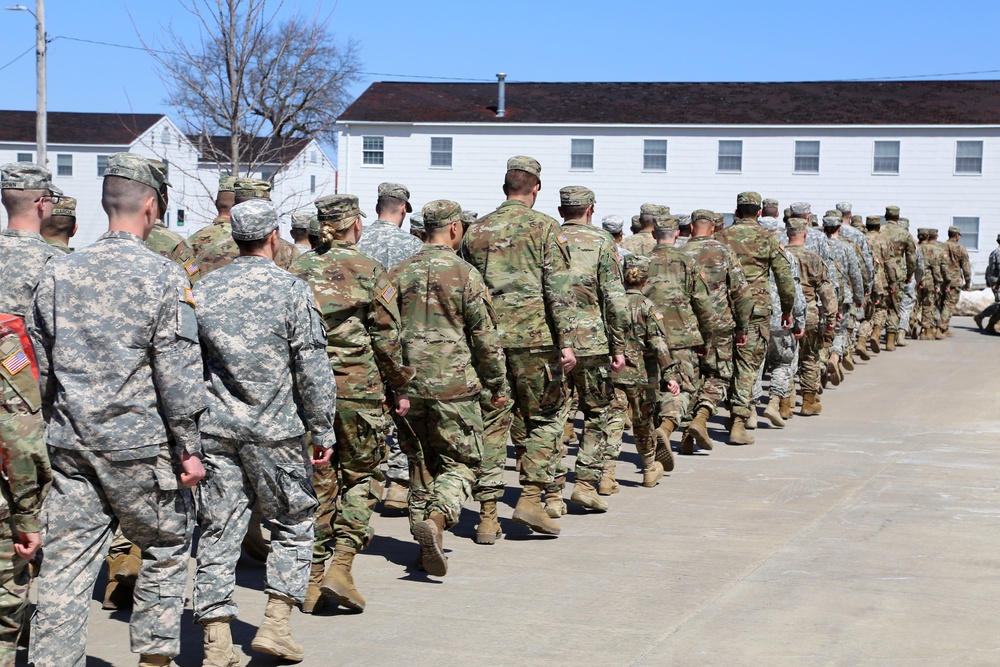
[{"x": 869, "y": 535}]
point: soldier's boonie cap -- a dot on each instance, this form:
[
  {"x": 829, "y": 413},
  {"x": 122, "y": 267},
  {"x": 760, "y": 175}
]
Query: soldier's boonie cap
[
  {"x": 417, "y": 222},
  {"x": 65, "y": 207},
  {"x": 525, "y": 163},
  {"x": 892, "y": 210},
  {"x": 397, "y": 191},
  {"x": 751, "y": 198},
  {"x": 801, "y": 209},
  {"x": 576, "y": 195},
  {"x": 832, "y": 221},
  {"x": 769, "y": 203},
  {"x": 300, "y": 219},
  {"x": 873, "y": 220},
  {"x": 227, "y": 183},
  {"x": 441, "y": 213},
  {"x": 844, "y": 207},
  {"x": 797, "y": 224},
  {"x": 954, "y": 230},
  {"x": 702, "y": 214},
  {"x": 613, "y": 224},
  {"x": 338, "y": 211},
  {"x": 663, "y": 223},
  {"x": 252, "y": 187},
  {"x": 25, "y": 176},
  {"x": 135, "y": 168},
  {"x": 254, "y": 219}
]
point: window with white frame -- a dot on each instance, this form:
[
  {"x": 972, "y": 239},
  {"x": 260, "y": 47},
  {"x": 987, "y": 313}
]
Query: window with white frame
[
  {"x": 102, "y": 165},
  {"x": 654, "y": 155},
  {"x": 312, "y": 185},
  {"x": 373, "y": 150},
  {"x": 807, "y": 157},
  {"x": 731, "y": 155},
  {"x": 64, "y": 165},
  {"x": 969, "y": 226},
  {"x": 969, "y": 157},
  {"x": 441, "y": 152},
  {"x": 886, "y": 160},
  {"x": 25, "y": 157},
  {"x": 581, "y": 154}
]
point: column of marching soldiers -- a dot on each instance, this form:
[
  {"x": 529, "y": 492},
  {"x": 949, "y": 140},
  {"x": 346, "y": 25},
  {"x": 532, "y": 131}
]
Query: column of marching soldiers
[{"x": 268, "y": 377}]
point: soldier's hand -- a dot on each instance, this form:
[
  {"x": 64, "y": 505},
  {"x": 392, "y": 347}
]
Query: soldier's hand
[
  {"x": 673, "y": 387},
  {"x": 830, "y": 326},
  {"x": 402, "y": 405},
  {"x": 27, "y": 544},
  {"x": 498, "y": 402},
  {"x": 798, "y": 333},
  {"x": 617, "y": 362},
  {"x": 840, "y": 317},
  {"x": 193, "y": 470},
  {"x": 321, "y": 456},
  {"x": 786, "y": 320},
  {"x": 968, "y": 286},
  {"x": 568, "y": 359},
  {"x": 741, "y": 340}
]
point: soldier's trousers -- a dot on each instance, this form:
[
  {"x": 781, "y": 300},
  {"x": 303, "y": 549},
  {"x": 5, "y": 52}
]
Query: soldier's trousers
[
  {"x": 539, "y": 393},
  {"x": 449, "y": 436},
  {"x": 949, "y": 303},
  {"x": 349, "y": 488},
  {"x": 14, "y": 582},
  {"x": 678, "y": 408},
  {"x": 810, "y": 366},
  {"x": 397, "y": 467},
  {"x": 489, "y": 474},
  {"x": 591, "y": 379},
  {"x": 716, "y": 369},
  {"x": 419, "y": 476},
  {"x": 893, "y": 309},
  {"x": 906, "y": 305},
  {"x": 842, "y": 329},
  {"x": 277, "y": 478},
  {"x": 748, "y": 360},
  {"x": 90, "y": 496},
  {"x": 879, "y": 315},
  {"x": 782, "y": 362},
  {"x": 927, "y": 307},
  {"x": 642, "y": 401},
  {"x": 620, "y": 407}
]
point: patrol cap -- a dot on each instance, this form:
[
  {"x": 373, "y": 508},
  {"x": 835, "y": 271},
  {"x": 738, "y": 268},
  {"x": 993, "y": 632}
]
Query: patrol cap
[
  {"x": 25, "y": 176},
  {"x": 788, "y": 212},
  {"x": 525, "y": 163},
  {"x": 314, "y": 226},
  {"x": 135, "y": 168},
  {"x": 636, "y": 225},
  {"x": 338, "y": 211},
  {"x": 857, "y": 219},
  {"x": 921, "y": 231},
  {"x": 469, "y": 217},
  {"x": 252, "y": 187},
  {"x": 634, "y": 262},
  {"x": 832, "y": 221},
  {"x": 654, "y": 209},
  {"x": 663, "y": 223},
  {"x": 227, "y": 183},
  {"x": 801, "y": 209},
  {"x": 954, "y": 230},
  {"x": 892, "y": 210},
  {"x": 904, "y": 223},
  {"x": 873, "y": 220},
  {"x": 769, "y": 203},
  {"x": 397, "y": 191},
  {"x": 685, "y": 221},
  {"x": 417, "y": 222},
  {"x": 441, "y": 213},
  {"x": 576, "y": 195},
  {"x": 796, "y": 224},
  {"x": 703, "y": 214},
  {"x": 770, "y": 224},
  {"x": 720, "y": 219},
  {"x": 833, "y": 211},
  {"x": 162, "y": 166},
  {"x": 254, "y": 219},
  {"x": 844, "y": 207},
  {"x": 66, "y": 207},
  {"x": 300, "y": 219},
  {"x": 613, "y": 224},
  {"x": 751, "y": 198},
  {"x": 814, "y": 219}
]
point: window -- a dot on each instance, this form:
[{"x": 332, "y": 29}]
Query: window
[
  {"x": 373, "y": 150},
  {"x": 102, "y": 165},
  {"x": 969, "y": 226},
  {"x": 654, "y": 155},
  {"x": 886, "y": 157},
  {"x": 180, "y": 217},
  {"x": 731, "y": 155},
  {"x": 441, "y": 152},
  {"x": 166, "y": 169},
  {"x": 267, "y": 173},
  {"x": 969, "y": 157},
  {"x": 581, "y": 154},
  {"x": 25, "y": 157},
  {"x": 314, "y": 157},
  {"x": 64, "y": 165},
  {"x": 312, "y": 185},
  {"x": 166, "y": 218},
  {"x": 807, "y": 157}
]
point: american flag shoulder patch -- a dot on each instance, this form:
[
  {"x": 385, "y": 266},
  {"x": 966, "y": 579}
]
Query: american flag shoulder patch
[
  {"x": 388, "y": 293},
  {"x": 563, "y": 239},
  {"x": 189, "y": 297},
  {"x": 16, "y": 362},
  {"x": 191, "y": 268},
  {"x": 658, "y": 315}
]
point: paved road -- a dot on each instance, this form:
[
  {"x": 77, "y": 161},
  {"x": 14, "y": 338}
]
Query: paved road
[{"x": 869, "y": 535}]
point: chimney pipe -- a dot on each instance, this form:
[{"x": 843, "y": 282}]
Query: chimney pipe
[{"x": 501, "y": 103}]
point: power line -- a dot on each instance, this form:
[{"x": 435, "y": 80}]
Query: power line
[
  {"x": 923, "y": 76},
  {"x": 117, "y": 46},
  {"x": 435, "y": 78},
  {"x": 27, "y": 51}
]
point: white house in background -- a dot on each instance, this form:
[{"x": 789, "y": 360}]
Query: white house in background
[
  {"x": 930, "y": 147},
  {"x": 80, "y": 143}
]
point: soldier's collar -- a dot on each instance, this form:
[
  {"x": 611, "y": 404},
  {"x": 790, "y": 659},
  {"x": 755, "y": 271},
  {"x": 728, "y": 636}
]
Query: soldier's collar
[
  {"x": 22, "y": 233},
  {"x": 125, "y": 236}
]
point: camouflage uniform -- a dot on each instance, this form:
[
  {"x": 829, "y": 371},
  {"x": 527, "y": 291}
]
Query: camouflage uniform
[
  {"x": 171, "y": 245},
  {"x": 931, "y": 278},
  {"x": 59, "y": 245},
  {"x": 640, "y": 243},
  {"x": 123, "y": 375},
  {"x": 214, "y": 248},
  {"x": 904, "y": 253},
  {"x": 23, "y": 255},
  {"x": 815, "y": 285},
  {"x": 270, "y": 381},
  {"x": 853, "y": 290},
  {"x": 959, "y": 277},
  {"x": 885, "y": 275}
]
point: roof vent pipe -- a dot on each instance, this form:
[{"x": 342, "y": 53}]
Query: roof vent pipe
[{"x": 501, "y": 102}]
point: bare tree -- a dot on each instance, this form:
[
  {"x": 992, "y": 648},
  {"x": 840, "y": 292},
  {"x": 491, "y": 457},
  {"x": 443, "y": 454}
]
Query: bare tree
[{"x": 249, "y": 86}]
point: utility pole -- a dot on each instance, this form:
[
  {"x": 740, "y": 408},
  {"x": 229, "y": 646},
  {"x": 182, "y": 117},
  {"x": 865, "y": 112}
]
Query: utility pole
[{"x": 41, "y": 114}]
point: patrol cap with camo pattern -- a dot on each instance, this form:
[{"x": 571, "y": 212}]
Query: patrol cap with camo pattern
[
  {"x": 525, "y": 163},
  {"x": 954, "y": 230},
  {"x": 654, "y": 209},
  {"x": 833, "y": 211},
  {"x": 636, "y": 262},
  {"x": 921, "y": 231},
  {"x": 702, "y": 214},
  {"x": 613, "y": 224},
  {"x": 788, "y": 212},
  {"x": 162, "y": 166},
  {"x": 720, "y": 219},
  {"x": 338, "y": 211},
  {"x": 801, "y": 209},
  {"x": 254, "y": 219},
  {"x": 135, "y": 168},
  {"x": 875, "y": 220},
  {"x": 417, "y": 222},
  {"x": 396, "y": 191},
  {"x": 636, "y": 225},
  {"x": 252, "y": 187},
  {"x": 576, "y": 195},
  {"x": 441, "y": 213},
  {"x": 844, "y": 207},
  {"x": 892, "y": 210},
  {"x": 751, "y": 198},
  {"x": 469, "y": 217},
  {"x": 797, "y": 224},
  {"x": 857, "y": 219},
  {"x": 769, "y": 203},
  {"x": 25, "y": 176},
  {"x": 314, "y": 226},
  {"x": 665, "y": 223},
  {"x": 66, "y": 207},
  {"x": 684, "y": 221},
  {"x": 904, "y": 223},
  {"x": 227, "y": 183},
  {"x": 300, "y": 219},
  {"x": 832, "y": 221}
]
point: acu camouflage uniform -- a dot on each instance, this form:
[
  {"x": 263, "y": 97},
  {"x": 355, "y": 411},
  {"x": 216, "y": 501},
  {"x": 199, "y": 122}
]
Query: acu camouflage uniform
[
  {"x": 23, "y": 255},
  {"x": 171, "y": 245},
  {"x": 853, "y": 290}
]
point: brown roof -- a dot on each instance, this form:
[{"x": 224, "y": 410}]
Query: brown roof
[
  {"x": 117, "y": 129},
  {"x": 263, "y": 150},
  {"x": 802, "y": 103}
]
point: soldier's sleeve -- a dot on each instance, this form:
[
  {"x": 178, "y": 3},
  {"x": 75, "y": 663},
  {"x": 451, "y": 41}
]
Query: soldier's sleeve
[
  {"x": 656, "y": 339},
  {"x": 911, "y": 256},
  {"x": 176, "y": 361},
  {"x": 701, "y": 301},
  {"x": 826, "y": 293},
  {"x": 782, "y": 277},
  {"x": 184, "y": 256},
  {"x": 557, "y": 286},
  {"x": 857, "y": 284},
  {"x": 966, "y": 268},
  {"x": 383, "y": 329},
  {"x": 615, "y": 303},
  {"x": 481, "y": 333},
  {"x": 922, "y": 265},
  {"x": 993, "y": 269},
  {"x": 740, "y": 301},
  {"x": 317, "y": 388},
  {"x": 40, "y": 327},
  {"x": 869, "y": 263}
]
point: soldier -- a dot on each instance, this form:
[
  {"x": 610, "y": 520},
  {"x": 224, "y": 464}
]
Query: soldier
[
  {"x": 818, "y": 292},
  {"x": 635, "y": 225},
  {"x": 107, "y": 432},
  {"x": 445, "y": 306},
  {"x": 269, "y": 383},
  {"x": 468, "y": 218},
  {"x": 959, "y": 276},
  {"x": 354, "y": 296},
  {"x": 683, "y": 231},
  {"x": 992, "y": 277},
  {"x": 759, "y": 254},
  {"x": 904, "y": 252},
  {"x": 613, "y": 225},
  {"x": 856, "y": 237},
  {"x": 600, "y": 296},
  {"x": 300, "y": 231},
  {"x": 853, "y": 290},
  {"x": 27, "y": 193},
  {"x": 885, "y": 275},
  {"x": 642, "y": 242},
  {"x": 417, "y": 227},
  {"x": 224, "y": 200},
  {"x": 727, "y": 327},
  {"x": 386, "y": 243},
  {"x": 907, "y": 302},
  {"x": 166, "y": 243},
  {"x": 524, "y": 259},
  {"x": 720, "y": 223},
  {"x": 60, "y": 227},
  {"x": 25, "y": 481},
  {"x": 930, "y": 281}
]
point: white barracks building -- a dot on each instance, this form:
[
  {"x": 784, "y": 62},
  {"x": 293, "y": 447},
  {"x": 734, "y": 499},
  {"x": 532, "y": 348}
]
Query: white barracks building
[{"x": 930, "y": 147}]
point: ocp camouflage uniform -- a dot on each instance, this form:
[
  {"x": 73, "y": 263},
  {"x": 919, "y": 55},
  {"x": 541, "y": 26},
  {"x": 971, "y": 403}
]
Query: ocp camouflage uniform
[
  {"x": 959, "y": 276},
  {"x": 815, "y": 286},
  {"x": 23, "y": 255},
  {"x": 932, "y": 280},
  {"x": 59, "y": 245},
  {"x": 171, "y": 245},
  {"x": 905, "y": 258},
  {"x": 640, "y": 243}
]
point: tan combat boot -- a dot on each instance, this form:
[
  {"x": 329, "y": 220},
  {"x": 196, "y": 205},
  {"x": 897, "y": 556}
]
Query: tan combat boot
[
  {"x": 787, "y": 406},
  {"x": 518, "y": 453},
  {"x": 397, "y": 495},
  {"x": 810, "y": 405},
  {"x": 738, "y": 435},
  {"x": 430, "y": 536},
  {"x": 608, "y": 485},
  {"x": 874, "y": 340},
  {"x": 652, "y": 470},
  {"x": 149, "y": 660},
  {"x": 890, "y": 341},
  {"x": 773, "y": 412},
  {"x": 274, "y": 636},
  {"x": 314, "y": 600},
  {"x": 861, "y": 349},
  {"x": 219, "y": 650},
  {"x": 926, "y": 334},
  {"x": 751, "y": 423},
  {"x": 488, "y": 530},
  {"x": 900, "y": 339},
  {"x": 123, "y": 569},
  {"x": 699, "y": 428},
  {"x": 833, "y": 369},
  {"x": 848, "y": 361},
  {"x": 585, "y": 495},
  {"x": 339, "y": 582},
  {"x": 529, "y": 511},
  {"x": 948, "y": 332},
  {"x": 555, "y": 507},
  {"x": 941, "y": 334},
  {"x": 663, "y": 452},
  {"x": 569, "y": 433}
]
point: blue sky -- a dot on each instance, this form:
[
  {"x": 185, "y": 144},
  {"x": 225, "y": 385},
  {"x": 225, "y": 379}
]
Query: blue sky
[{"x": 543, "y": 40}]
